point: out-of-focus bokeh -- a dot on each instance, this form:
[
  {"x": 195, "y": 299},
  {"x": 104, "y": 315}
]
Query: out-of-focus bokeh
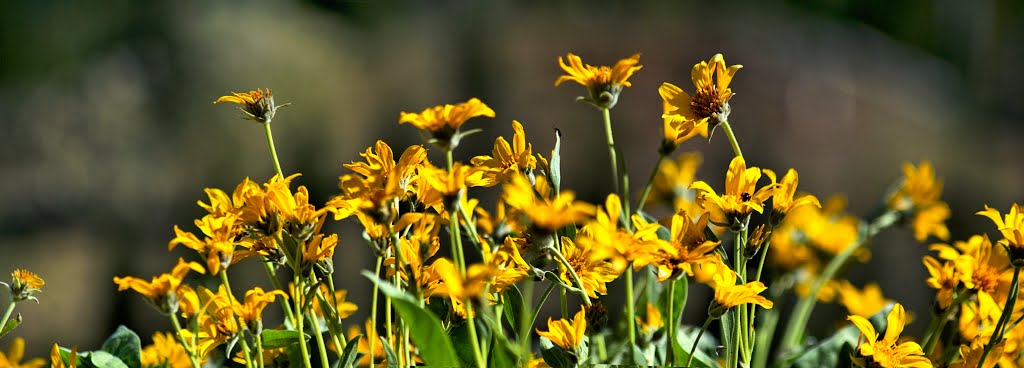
[{"x": 108, "y": 135}]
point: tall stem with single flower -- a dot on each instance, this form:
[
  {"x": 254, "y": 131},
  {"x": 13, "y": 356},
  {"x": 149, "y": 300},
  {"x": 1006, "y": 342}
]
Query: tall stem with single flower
[
  {"x": 732, "y": 139},
  {"x": 273, "y": 151}
]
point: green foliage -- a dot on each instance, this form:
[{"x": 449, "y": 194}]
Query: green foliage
[
  {"x": 351, "y": 354},
  {"x": 275, "y": 339},
  {"x": 424, "y": 327},
  {"x": 125, "y": 345},
  {"x": 11, "y": 325}
]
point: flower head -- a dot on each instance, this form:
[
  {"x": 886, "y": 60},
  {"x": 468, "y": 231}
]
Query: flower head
[
  {"x": 652, "y": 321},
  {"x": 593, "y": 268},
  {"x": 675, "y": 130},
  {"x": 728, "y": 294},
  {"x": 709, "y": 104},
  {"x": 165, "y": 352},
  {"x": 257, "y": 105},
  {"x": 250, "y": 312},
  {"x": 545, "y": 214},
  {"x": 603, "y": 83},
  {"x": 887, "y": 352},
  {"x": 443, "y": 122},
  {"x": 861, "y": 302},
  {"x": 687, "y": 247},
  {"x": 918, "y": 196},
  {"x": 506, "y": 160},
  {"x": 740, "y": 198},
  {"x": 24, "y": 285},
  {"x": 567, "y": 335},
  {"x": 163, "y": 292},
  {"x": 782, "y": 200},
  {"x": 672, "y": 182},
  {"x": 15, "y": 353},
  {"x": 1012, "y": 228}
]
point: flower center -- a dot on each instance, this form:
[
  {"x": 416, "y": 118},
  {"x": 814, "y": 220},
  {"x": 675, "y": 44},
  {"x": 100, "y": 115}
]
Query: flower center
[
  {"x": 985, "y": 280},
  {"x": 706, "y": 102}
]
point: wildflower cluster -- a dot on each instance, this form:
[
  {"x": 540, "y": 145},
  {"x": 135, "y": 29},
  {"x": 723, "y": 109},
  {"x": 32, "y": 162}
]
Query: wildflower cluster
[{"x": 461, "y": 282}]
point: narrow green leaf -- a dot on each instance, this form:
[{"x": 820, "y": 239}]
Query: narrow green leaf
[
  {"x": 555, "y": 356},
  {"x": 513, "y": 305},
  {"x": 11, "y": 325},
  {"x": 705, "y": 347},
  {"x": 351, "y": 354},
  {"x": 125, "y": 345},
  {"x": 463, "y": 345},
  {"x": 389, "y": 352},
  {"x": 102, "y": 359},
  {"x": 276, "y": 339},
  {"x": 556, "y": 162},
  {"x": 678, "y": 304},
  {"x": 424, "y": 327}
]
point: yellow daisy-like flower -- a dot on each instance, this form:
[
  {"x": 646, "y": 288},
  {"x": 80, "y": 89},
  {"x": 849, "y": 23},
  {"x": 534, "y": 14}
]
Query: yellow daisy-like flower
[
  {"x": 256, "y": 300},
  {"x": 675, "y": 131},
  {"x": 218, "y": 245},
  {"x": 565, "y": 334},
  {"x": 458, "y": 287},
  {"x": 257, "y": 105},
  {"x": 603, "y": 83},
  {"x": 15, "y": 353},
  {"x": 1012, "y": 227},
  {"x": 377, "y": 182},
  {"x": 163, "y": 290},
  {"x": 687, "y": 247},
  {"x": 887, "y": 352},
  {"x": 592, "y": 268},
  {"x": 545, "y": 214},
  {"x": 918, "y": 196},
  {"x": 24, "y": 284},
  {"x": 728, "y": 294},
  {"x": 652, "y": 321},
  {"x": 506, "y": 160},
  {"x": 443, "y": 122},
  {"x": 165, "y": 352},
  {"x": 709, "y": 104},
  {"x": 944, "y": 278},
  {"x": 732, "y": 207},
  {"x": 672, "y": 182},
  {"x": 57, "y": 362},
  {"x": 782, "y": 200},
  {"x": 970, "y": 357},
  {"x": 862, "y": 302}
]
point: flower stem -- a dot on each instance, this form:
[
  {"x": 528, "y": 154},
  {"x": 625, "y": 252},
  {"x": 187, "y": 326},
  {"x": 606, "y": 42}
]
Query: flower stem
[
  {"x": 177, "y": 331},
  {"x": 299, "y": 317},
  {"x": 246, "y": 353},
  {"x": 611, "y": 148},
  {"x": 630, "y": 312},
  {"x": 317, "y": 333},
  {"x": 931, "y": 336},
  {"x": 572, "y": 273},
  {"x": 7, "y": 314},
  {"x": 732, "y": 139},
  {"x": 473, "y": 340},
  {"x": 245, "y": 345},
  {"x": 259, "y": 347},
  {"x": 1004, "y": 318},
  {"x": 650, "y": 183},
  {"x": 707, "y": 322},
  {"x": 272, "y": 274},
  {"x": 273, "y": 151},
  {"x": 373, "y": 311},
  {"x": 670, "y": 327}
]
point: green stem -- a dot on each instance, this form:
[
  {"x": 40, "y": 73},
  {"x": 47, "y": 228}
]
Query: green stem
[
  {"x": 572, "y": 273},
  {"x": 1004, "y": 318},
  {"x": 259, "y": 347},
  {"x": 763, "y": 341},
  {"x": 611, "y": 148},
  {"x": 246, "y": 353},
  {"x": 273, "y": 151},
  {"x": 242, "y": 341},
  {"x": 177, "y": 332},
  {"x": 317, "y": 333},
  {"x": 650, "y": 184},
  {"x": 299, "y": 318},
  {"x": 7, "y": 314},
  {"x": 670, "y": 327},
  {"x": 272, "y": 274},
  {"x": 732, "y": 139},
  {"x": 693, "y": 350},
  {"x": 931, "y": 336},
  {"x": 630, "y": 312},
  {"x": 473, "y": 340},
  {"x": 524, "y": 324},
  {"x": 335, "y": 327},
  {"x": 373, "y": 311}
]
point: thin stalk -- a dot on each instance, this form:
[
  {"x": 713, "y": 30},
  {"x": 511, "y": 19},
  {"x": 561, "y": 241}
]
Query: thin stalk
[
  {"x": 299, "y": 318},
  {"x": 317, "y": 333},
  {"x": 650, "y": 183},
  {"x": 456, "y": 240},
  {"x": 611, "y": 148},
  {"x": 693, "y": 350},
  {"x": 935, "y": 329},
  {"x": 259, "y": 348},
  {"x": 670, "y": 328},
  {"x": 245, "y": 345},
  {"x": 473, "y": 340},
  {"x": 763, "y": 340},
  {"x": 373, "y": 310},
  {"x": 630, "y": 312},
  {"x": 1004, "y": 318},
  {"x": 273, "y": 151},
  {"x": 177, "y": 332},
  {"x": 524, "y": 324},
  {"x": 572, "y": 273},
  {"x": 246, "y": 353},
  {"x": 732, "y": 139},
  {"x": 7, "y": 314},
  {"x": 272, "y": 274}
]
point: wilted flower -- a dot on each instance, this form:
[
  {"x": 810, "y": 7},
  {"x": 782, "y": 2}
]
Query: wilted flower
[
  {"x": 24, "y": 285},
  {"x": 257, "y": 105}
]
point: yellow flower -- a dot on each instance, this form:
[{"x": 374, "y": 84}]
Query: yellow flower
[
  {"x": 458, "y": 287},
  {"x": 887, "y": 352},
  {"x": 931, "y": 220},
  {"x": 16, "y": 352},
  {"x": 546, "y": 214},
  {"x": 1012, "y": 227},
  {"x": 57, "y": 362},
  {"x": 709, "y": 104},
  {"x": 443, "y": 122},
  {"x": 567, "y": 335},
  {"x": 163, "y": 292},
  {"x": 942, "y": 277},
  {"x": 506, "y": 160},
  {"x": 217, "y": 247},
  {"x": 862, "y": 302},
  {"x": 672, "y": 182},
  {"x": 728, "y": 294},
  {"x": 652, "y": 322},
  {"x": 257, "y": 105},
  {"x": 377, "y": 182},
  {"x": 782, "y": 200},
  {"x": 217, "y": 323},
  {"x": 24, "y": 284},
  {"x": 609, "y": 242},
  {"x": 442, "y": 189},
  {"x": 687, "y": 247},
  {"x": 971, "y": 356},
  {"x": 320, "y": 249},
  {"x": 165, "y": 352},
  {"x": 918, "y": 196},
  {"x": 593, "y": 269},
  {"x": 740, "y": 198},
  {"x": 675, "y": 131},
  {"x": 603, "y": 83},
  {"x": 979, "y": 265},
  {"x": 256, "y": 300},
  {"x": 509, "y": 265}
]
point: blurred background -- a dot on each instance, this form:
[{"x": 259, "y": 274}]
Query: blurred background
[{"x": 108, "y": 135}]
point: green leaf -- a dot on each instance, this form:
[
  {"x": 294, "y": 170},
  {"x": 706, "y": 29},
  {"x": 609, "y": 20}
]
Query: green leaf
[
  {"x": 389, "y": 352},
  {"x": 463, "y": 344},
  {"x": 351, "y": 353},
  {"x": 512, "y": 306},
  {"x": 705, "y": 347},
  {"x": 424, "y": 327},
  {"x": 678, "y": 304},
  {"x": 556, "y": 162},
  {"x": 828, "y": 353},
  {"x": 11, "y": 325},
  {"x": 102, "y": 359},
  {"x": 503, "y": 353},
  {"x": 65, "y": 357},
  {"x": 555, "y": 356},
  {"x": 125, "y": 345},
  {"x": 276, "y": 339}
]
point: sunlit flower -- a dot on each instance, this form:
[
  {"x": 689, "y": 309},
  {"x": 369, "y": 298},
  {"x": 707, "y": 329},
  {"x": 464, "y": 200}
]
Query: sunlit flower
[
  {"x": 508, "y": 264},
  {"x": 602, "y": 83},
  {"x": 568, "y": 335},
  {"x": 944, "y": 278},
  {"x": 217, "y": 323},
  {"x": 443, "y": 122},
  {"x": 24, "y": 285},
  {"x": 218, "y": 245},
  {"x": 782, "y": 200},
  {"x": 672, "y": 183},
  {"x": 728, "y": 294},
  {"x": 1012, "y": 227},
  {"x": 931, "y": 220},
  {"x": 163, "y": 291},
  {"x": 546, "y": 214},
  {"x": 970, "y": 357},
  {"x": 257, "y": 105},
  {"x": 165, "y": 352},
  {"x": 506, "y": 160},
  {"x": 887, "y": 352},
  {"x": 709, "y": 104},
  {"x": 652, "y": 321},
  {"x": 732, "y": 207},
  {"x": 442, "y": 189},
  {"x": 675, "y": 131},
  {"x": 460, "y": 287},
  {"x": 320, "y": 250},
  {"x": 612, "y": 243},
  {"x": 251, "y": 311},
  {"x": 15, "y": 353},
  {"x": 377, "y": 182},
  {"x": 918, "y": 197},
  {"x": 861, "y": 302},
  {"x": 687, "y": 247},
  {"x": 57, "y": 362},
  {"x": 594, "y": 272}
]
